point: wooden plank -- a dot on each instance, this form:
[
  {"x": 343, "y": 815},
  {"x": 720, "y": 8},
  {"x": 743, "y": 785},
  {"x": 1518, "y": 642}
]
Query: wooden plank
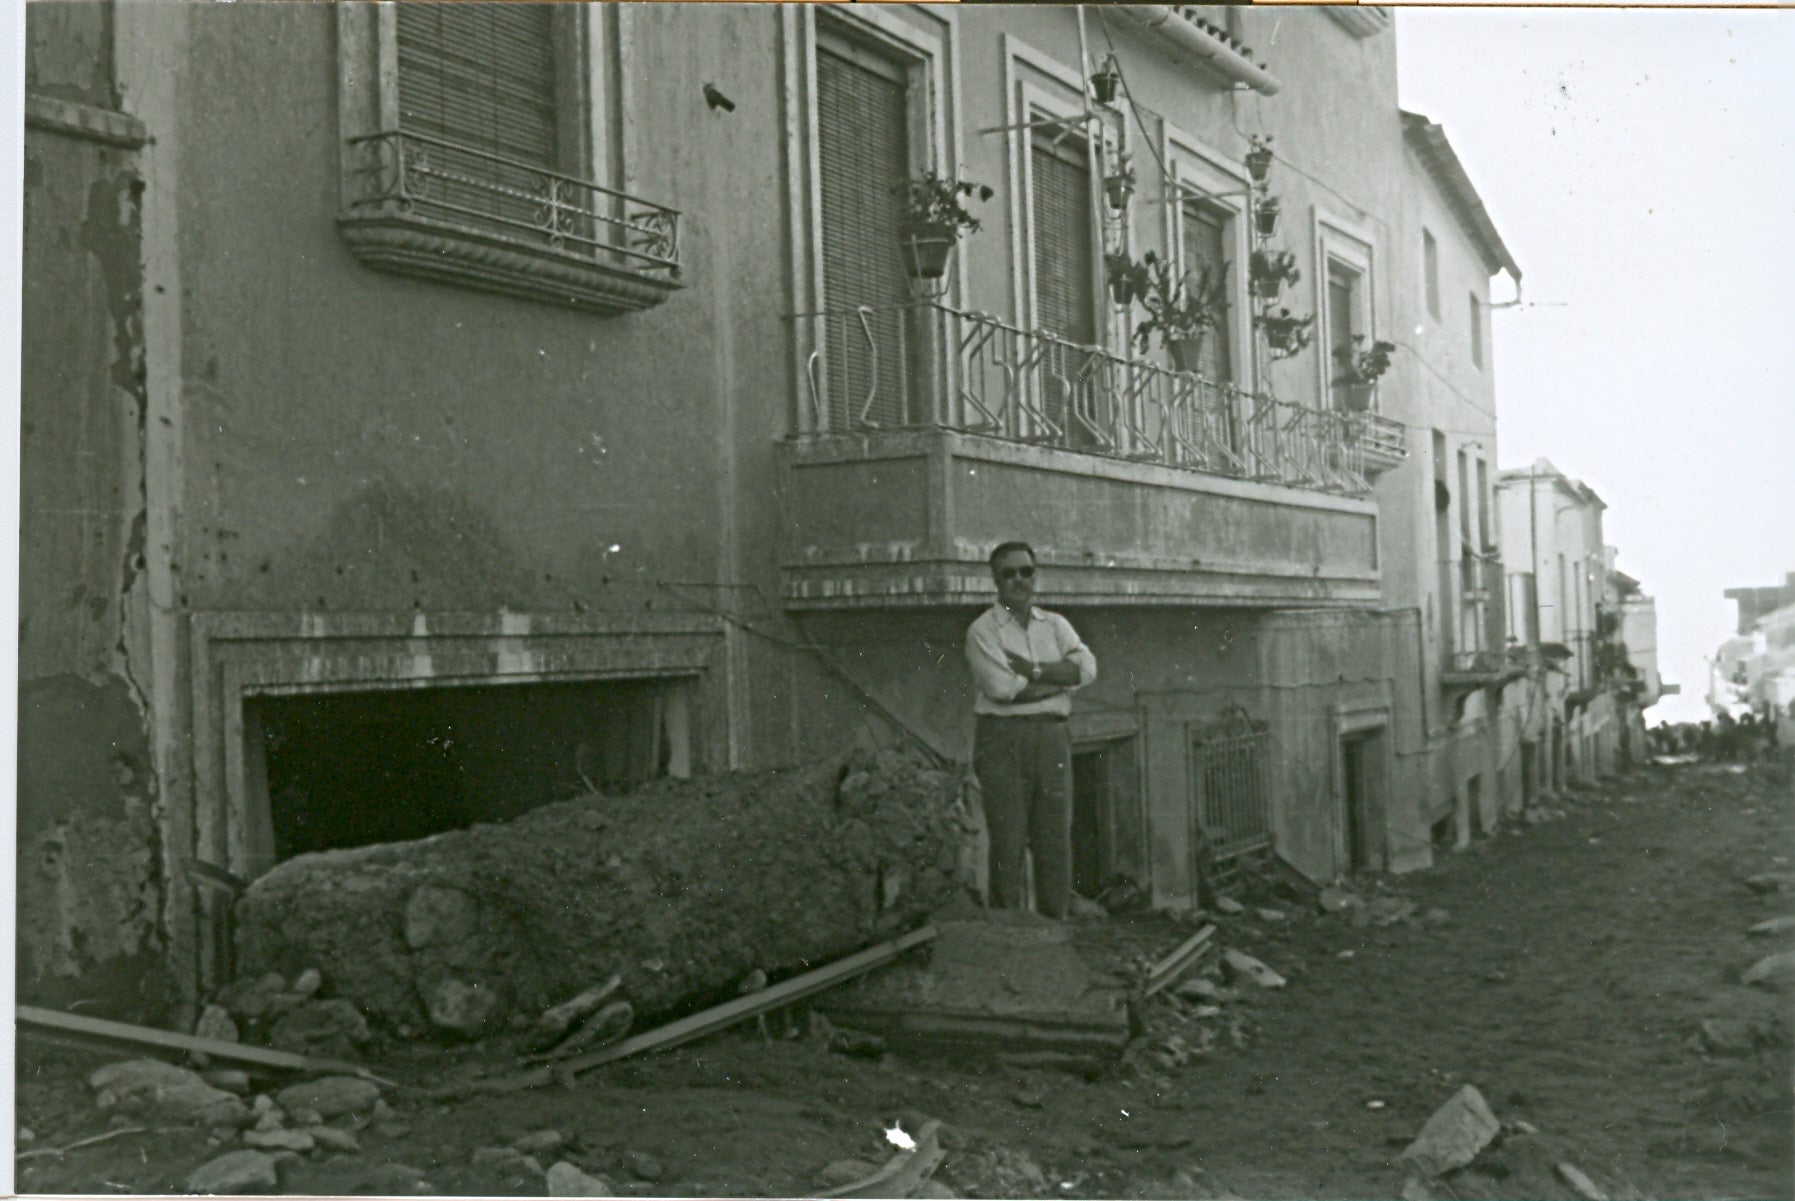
[
  {"x": 1070, "y": 1034},
  {"x": 765, "y": 1001},
  {"x": 33, "y": 1020},
  {"x": 1179, "y": 961}
]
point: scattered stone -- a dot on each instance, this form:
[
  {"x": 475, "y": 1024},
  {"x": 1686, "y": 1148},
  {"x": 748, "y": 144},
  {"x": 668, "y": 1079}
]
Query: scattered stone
[
  {"x": 1522, "y": 1126},
  {"x": 532, "y": 1163},
  {"x": 460, "y": 1008},
  {"x": 270, "y": 1119},
  {"x": 1229, "y": 906},
  {"x": 1270, "y": 915},
  {"x": 1384, "y": 911},
  {"x": 1206, "y": 1011},
  {"x": 845, "y": 1171},
  {"x": 1771, "y": 882},
  {"x": 1730, "y": 1036},
  {"x": 1436, "y": 917},
  {"x": 540, "y": 1141},
  {"x": 565, "y": 1180},
  {"x": 1199, "y": 988},
  {"x": 236, "y": 1172},
  {"x": 306, "y": 1117},
  {"x": 215, "y": 1023},
  {"x": 382, "y": 1111},
  {"x": 557, "y": 1020},
  {"x": 331, "y": 1028},
  {"x": 309, "y": 982},
  {"x": 1337, "y": 900},
  {"x": 230, "y": 1080},
  {"x": 1245, "y": 965},
  {"x": 285, "y": 1156},
  {"x": 642, "y": 1165},
  {"x": 280, "y": 1140},
  {"x": 330, "y": 1096},
  {"x": 1415, "y": 1190},
  {"x": 281, "y": 1003},
  {"x": 332, "y": 1139},
  {"x": 391, "y": 1180},
  {"x": 1454, "y": 1135},
  {"x": 1028, "y": 1098},
  {"x": 26, "y": 1135},
  {"x": 1775, "y": 925},
  {"x": 1773, "y": 971},
  {"x": 933, "y": 1190},
  {"x": 1580, "y": 1184},
  {"x": 166, "y": 1095},
  {"x": 1346, "y": 956},
  {"x": 491, "y": 1155}
]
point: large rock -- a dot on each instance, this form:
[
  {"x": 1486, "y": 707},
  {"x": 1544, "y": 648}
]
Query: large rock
[
  {"x": 565, "y": 1180},
  {"x": 330, "y": 1096},
  {"x": 330, "y": 1028},
  {"x": 166, "y": 1095},
  {"x": 1454, "y": 1135},
  {"x": 1773, "y": 971},
  {"x": 682, "y": 888},
  {"x": 236, "y": 1172}
]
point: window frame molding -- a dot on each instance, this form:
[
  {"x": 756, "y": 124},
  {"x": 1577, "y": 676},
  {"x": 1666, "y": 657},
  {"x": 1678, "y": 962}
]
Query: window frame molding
[
  {"x": 595, "y": 94},
  {"x": 928, "y": 41},
  {"x": 1352, "y": 245},
  {"x": 1224, "y": 183}
]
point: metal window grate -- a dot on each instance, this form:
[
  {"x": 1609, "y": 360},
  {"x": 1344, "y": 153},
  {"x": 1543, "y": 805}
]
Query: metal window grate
[{"x": 1230, "y": 785}]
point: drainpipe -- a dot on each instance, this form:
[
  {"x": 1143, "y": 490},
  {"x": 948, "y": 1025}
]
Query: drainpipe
[{"x": 1171, "y": 25}]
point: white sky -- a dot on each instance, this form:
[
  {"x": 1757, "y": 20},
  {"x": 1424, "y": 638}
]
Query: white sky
[{"x": 1640, "y": 166}]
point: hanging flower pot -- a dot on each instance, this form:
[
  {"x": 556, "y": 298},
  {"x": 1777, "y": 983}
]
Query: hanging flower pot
[
  {"x": 1265, "y": 217},
  {"x": 1105, "y": 84},
  {"x": 1186, "y": 352},
  {"x": 1267, "y": 287},
  {"x": 1259, "y": 159},
  {"x": 1122, "y": 279},
  {"x": 927, "y": 246},
  {"x": 1357, "y": 397},
  {"x": 1118, "y": 188}
]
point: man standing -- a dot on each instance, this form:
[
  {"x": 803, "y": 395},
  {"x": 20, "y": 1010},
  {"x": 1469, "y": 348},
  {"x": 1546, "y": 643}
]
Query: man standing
[{"x": 1026, "y": 662}]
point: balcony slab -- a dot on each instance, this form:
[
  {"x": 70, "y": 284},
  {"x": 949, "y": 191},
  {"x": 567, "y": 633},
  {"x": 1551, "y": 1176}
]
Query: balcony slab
[{"x": 907, "y": 518}]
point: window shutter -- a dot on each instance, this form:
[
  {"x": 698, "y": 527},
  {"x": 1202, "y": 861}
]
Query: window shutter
[
  {"x": 482, "y": 76},
  {"x": 1064, "y": 271},
  {"x": 863, "y": 156},
  {"x": 1340, "y": 332},
  {"x": 1205, "y": 249}
]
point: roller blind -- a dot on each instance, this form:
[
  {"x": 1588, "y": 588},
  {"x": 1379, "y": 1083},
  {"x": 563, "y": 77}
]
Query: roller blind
[
  {"x": 482, "y": 76},
  {"x": 1064, "y": 263},
  {"x": 1205, "y": 249},
  {"x": 863, "y": 155}
]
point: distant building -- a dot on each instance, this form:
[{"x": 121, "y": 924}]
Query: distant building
[{"x": 1756, "y": 670}]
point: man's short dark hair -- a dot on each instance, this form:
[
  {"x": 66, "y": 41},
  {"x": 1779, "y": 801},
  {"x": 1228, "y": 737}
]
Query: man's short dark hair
[{"x": 1004, "y": 548}]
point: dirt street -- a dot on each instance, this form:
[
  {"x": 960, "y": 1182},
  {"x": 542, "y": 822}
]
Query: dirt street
[{"x": 1563, "y": 968}]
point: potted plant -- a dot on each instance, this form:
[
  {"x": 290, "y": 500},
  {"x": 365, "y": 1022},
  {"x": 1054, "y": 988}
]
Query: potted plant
[
  {"x": 1106, "y": 81},
  {"x": 935, "y": 215},
  {"x": 1259, "y": 158},
  {"x": 1127, "y": 278},
  {"x": 1360, "y": 368},
  {"x": 1285, "y": 333},
  {"x": 1118, "y": 185},
  {"x": 1265, "y": 215},
  {"x": 1179, "y": 309},
  {"x": 1271, "y": 270}
]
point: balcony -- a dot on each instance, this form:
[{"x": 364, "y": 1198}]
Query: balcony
[
  {"x": 423, "y": 206},
  {"x": 928, "y": 435}
]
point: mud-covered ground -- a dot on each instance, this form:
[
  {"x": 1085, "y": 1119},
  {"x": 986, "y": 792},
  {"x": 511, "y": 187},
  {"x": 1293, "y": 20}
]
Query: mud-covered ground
[{"x": 1572, "y": 964}]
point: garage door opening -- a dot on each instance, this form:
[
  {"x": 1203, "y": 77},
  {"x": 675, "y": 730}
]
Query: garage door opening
[{"x": 348, "y": 769}]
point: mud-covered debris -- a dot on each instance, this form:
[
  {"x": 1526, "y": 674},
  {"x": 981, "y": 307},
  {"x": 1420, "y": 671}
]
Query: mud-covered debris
[
  {"x": 1243, "y": 966},
  {"x": 1453, "y": 1136},
  {"x": 165, "y": 1095},
  {"x": 642, "y": 1165},
  {"x": 333, "y": 1029},
  {"x": 1580, "y": 1184},
  {"x": 331, "y": 1139},
  {"x": 539, "y": 1142},
  {"x": 330, "y": 1096},
  {"x": 1774, "y": 925},
  {"x": 1773, "y": 971},
  {"x": 1270, "y": 915},
  {"x": 1229, "y": 906},
  {"x": 1771, "y": 882},
  {"x": 1337, "y": 900},
  {"x": 554, "y": 1023}
]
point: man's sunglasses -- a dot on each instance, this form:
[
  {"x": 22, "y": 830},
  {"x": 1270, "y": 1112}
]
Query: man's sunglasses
[{"x": 1014, "y": 573}]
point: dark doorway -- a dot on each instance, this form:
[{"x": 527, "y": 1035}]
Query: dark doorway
[
  {"x": 351, "y": 769},
  {"x": 1529, "y": 773},
  {"x": 1090, "y": 806},
  {"x": 1355, "y": 780}
]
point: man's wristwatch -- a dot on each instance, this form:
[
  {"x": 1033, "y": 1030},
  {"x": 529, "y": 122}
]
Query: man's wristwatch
[{"x": 1034, "y": 672}]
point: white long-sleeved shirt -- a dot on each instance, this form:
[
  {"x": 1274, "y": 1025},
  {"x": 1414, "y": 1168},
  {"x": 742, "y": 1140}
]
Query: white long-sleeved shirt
[{"x": 1047, "y": 638}]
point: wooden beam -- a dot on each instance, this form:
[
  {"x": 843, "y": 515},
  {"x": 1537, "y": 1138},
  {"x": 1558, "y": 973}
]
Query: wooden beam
[
  {"x": 765, "y": 1001},
  {"x": 903, "y": 1172},
  {"x": 33, "y": 1020},
  {"x": 1179, "y": 961}
]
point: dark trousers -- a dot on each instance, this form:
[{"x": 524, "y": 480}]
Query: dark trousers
[{"x": 1024, "y": 766}]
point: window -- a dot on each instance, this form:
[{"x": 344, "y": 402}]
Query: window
[
  {"x": 1476, "y": 332},
  {"x": 863, "y": 156},
  {"x": 1430, "y": 259},
  {"x": 478, "y": 149},
  {"x": 1342, "y": 320},
  {"x": 1486, "y": 511},
  {"x": 1064, "y": 262},
  {"x": 1206, "y": 244}
]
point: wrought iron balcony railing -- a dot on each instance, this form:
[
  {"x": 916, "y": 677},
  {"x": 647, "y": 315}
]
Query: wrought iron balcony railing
[
  {"x": 497, "y": 219},
  {"x": 930, "y": 366}
]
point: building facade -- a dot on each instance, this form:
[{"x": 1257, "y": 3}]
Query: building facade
[{"x": 496, "y": 403}]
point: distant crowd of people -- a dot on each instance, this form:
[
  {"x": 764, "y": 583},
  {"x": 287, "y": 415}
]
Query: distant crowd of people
[{"x": 1748, "y": 738}]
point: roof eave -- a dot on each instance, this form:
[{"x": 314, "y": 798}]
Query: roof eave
[{"x": 1430, "y": 142}]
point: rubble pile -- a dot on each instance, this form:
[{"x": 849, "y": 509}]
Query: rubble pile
[{"x": 681, "y": 890}]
